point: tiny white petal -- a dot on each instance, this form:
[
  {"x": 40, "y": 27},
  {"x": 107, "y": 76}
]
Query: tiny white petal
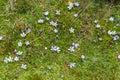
[
  {"x": 98, "y": 26},
  {"x": 24, "y": 66},
  {"x": 75, "y": 15},
  {"x": 27, "y": 43},
  {"x": 57, "y": 12},
  {"x": 47, "y": 18},
  {"x": 19, "y": 53},
  {"x": 70, "y": 6},
  {"x": 111, "y": 18},
  {"x": 53, "y": 23},
  {"x": 16, "y": 58},
  {"x": 19, "y": 44},
  {"x": 28, "y": 30},
  {"x": 55, "y": 49},
  {"x": 118, "y": 56},
  {"x": 23, "y": 34},
  {"x": 40, "y": 21},
  {"x": 96, "y": 21},
  {"x": 72, "y": 64},
  {"x": 46, "y": 13},
  {"x": 76, "y": 4},
  {"x": 71, "y": 30},
  {"x": 82, "y": 57},
  {"x": 55, "y": 30},
  {"x": 1, "y": 38},
  {"x": 71, "y": 49},
  {"x": 45, "y": 48}
]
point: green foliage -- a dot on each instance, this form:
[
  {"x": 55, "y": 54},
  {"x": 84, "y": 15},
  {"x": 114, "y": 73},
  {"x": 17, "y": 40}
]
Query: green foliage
[
  {"x": 100, "y": 63},
  {"x": 22, "y": 6}
]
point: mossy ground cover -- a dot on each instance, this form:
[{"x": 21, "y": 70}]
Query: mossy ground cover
[{"x": 81, "y": 43}]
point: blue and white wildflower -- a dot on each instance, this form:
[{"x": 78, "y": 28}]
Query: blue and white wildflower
[
  {"x": 71, "y": 49},
  {"x": 118, "y": 56},
  {"x": 46, "y": 13},
  {"x": 71, "y": 5},
  {"x": 71, "y": 30},
  {"x": 24, "y": 66},
  {"x": 55, "y": 30},
  {"x": 20, "y": 44},
  {"x": 76, "y": 15},
  {"x": 82, "y": 57},
  {"x": 28, "y": 30},
  {"x": 116, "y": 37},
  {"x": 55, "y": 49},
  {"x": 76, "y": 45},
  {"x": 53, "y": 23},
  {"x": 8, "y": 59},
  {"x": 47, "y": 18},
  {"x": 76, "y": 4},
  {"x": 112, "y": 32},
  {"x": 96, "y": 21},
  {"x": 40, "y": 21},
  {"x": 16, "y": 58},
  {"x": 27, "y": 43},
  {"x": 57, "y": 12},
  {"x": 19, "y": 53},
  {"x": 111, "y": 19},
  {"x": 1, "y": 38},
  {"x": 72, "y": 64},
  {"x": 98, "y": 26},
  {"x": 23, "y": 34}
]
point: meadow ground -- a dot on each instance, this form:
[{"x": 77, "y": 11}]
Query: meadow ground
[{"x": 60, "y": 40}]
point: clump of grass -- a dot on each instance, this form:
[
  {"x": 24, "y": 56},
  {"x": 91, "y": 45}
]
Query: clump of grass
[{"x": 22, "y": 6}]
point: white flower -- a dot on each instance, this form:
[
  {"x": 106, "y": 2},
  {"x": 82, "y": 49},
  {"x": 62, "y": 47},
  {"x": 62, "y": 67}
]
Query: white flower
[
  {"x": 1, "y": 38},
  {"x": 19, "y": 53},
  {"x": 111, "y": 18},
  {"x": 46, "y": 13},
  {"x": 5, "y": 60},
  {"x": 72, "y": 64},
  {"x": 76, "y": 4},
  {"x": 28, "y": 30},
  {"x": 47, "y": 18},
  {"x": 8, "y": 59},
  {"x": 71, "y": 5},
  {"x": 55, "y": 49},
  {"x": 100, "y": 39},
  {"x": 117, "y": 24},
  {"x": 118, "y": 56},
  {"x": 112, "y": 32},
  {"x": 71, "y": 49},
  {"x": 98, "y": 26},
  {"x": 23, "y": 34},
  {"x": 76, "y": 15},
  {"x": 116, "y": 37},
  {"x": 40, "y": 21},
  {"x": 24, "y": 66},
  {"x": 76, "y": 45},
  {"x": 96, "y": 21},
  {"x": 53, "y": 23},
  {"x": 57, "y": 12},
  {"x": 15, "y": 51},
  {"x": 82, "y": 57},
  {"x": 55, "y": 30},
  {"x": 19, "y": 44},
  {"x": 16, "y": 58},
  {"x": 27, "y": 43},
  {"x": 45, "y": 48},
  {"x": 71, "y": 30}
]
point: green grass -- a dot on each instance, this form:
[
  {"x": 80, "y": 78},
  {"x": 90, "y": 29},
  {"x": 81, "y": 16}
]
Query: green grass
[{"x": 101, "y": 62}]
